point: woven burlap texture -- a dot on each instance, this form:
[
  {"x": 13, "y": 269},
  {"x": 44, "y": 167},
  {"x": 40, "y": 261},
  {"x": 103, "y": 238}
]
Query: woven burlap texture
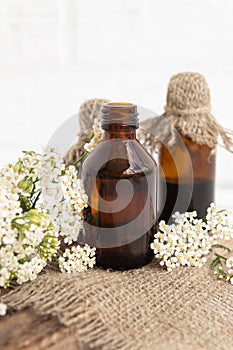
[
  {"x": 147, "y": 308},
  {"x": 188, "y": 109}
]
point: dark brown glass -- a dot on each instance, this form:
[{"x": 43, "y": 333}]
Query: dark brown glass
[
  {"x": 120, "y": 222},
  {"x": 186, "y": 178}
]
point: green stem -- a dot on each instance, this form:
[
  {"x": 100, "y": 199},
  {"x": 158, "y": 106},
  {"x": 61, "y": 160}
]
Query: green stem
[
  {"x": 220, "y": 256},
  {"x": 221, "y": 247},
  {"x": 81, "y": 158},
  {"x": 36, "y": 199},
  {"x": 92, "y": 135},
  {"x": 33, "y": 190}
]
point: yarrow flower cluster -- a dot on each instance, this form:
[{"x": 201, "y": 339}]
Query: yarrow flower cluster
[
  {"x": 186, "y": 242},
  {"x": 77, "y": 259},
  {"x": 27, "y": 237},
  {"x": 63, "y": 195},
  {"x": 220, "y": 222},
  {"x": 223, "y": 266},
  {"x": 96, "y": 137},
  {"x": 223, "y": 272}
]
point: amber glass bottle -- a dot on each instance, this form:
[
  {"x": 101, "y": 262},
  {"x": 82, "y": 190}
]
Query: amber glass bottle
[
  {"x": 119, "y": 177},
  {"x": 186, "y": 178}
]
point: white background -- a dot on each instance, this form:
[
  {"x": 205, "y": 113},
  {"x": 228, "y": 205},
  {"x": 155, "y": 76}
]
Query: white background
[{"x": 54, "y": 54}]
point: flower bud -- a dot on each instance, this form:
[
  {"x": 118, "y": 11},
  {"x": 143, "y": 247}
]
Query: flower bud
[
  {"x": 26, "y": 184},
  {"x": 34, "y": 217},
  {"x": 18, "y": 167}
]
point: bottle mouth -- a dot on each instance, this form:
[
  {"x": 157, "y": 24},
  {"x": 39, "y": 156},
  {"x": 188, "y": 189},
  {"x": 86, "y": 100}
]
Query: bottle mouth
[
  {"x": 121, "y": 113},
  {"x": 119, "y": 105}
]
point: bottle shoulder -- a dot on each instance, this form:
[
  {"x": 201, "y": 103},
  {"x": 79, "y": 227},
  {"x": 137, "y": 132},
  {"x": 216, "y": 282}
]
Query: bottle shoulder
[
  {"x": 119, "y": 157},
  {"x": 186, "y": 159}
]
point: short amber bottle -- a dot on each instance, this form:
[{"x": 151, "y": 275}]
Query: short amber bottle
[
  {"x": 186, "y": 178},
  {"x": 119, "y": 178}
]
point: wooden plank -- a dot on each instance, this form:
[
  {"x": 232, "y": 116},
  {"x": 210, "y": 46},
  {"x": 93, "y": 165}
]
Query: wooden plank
[{"x": 25, "y": 330}]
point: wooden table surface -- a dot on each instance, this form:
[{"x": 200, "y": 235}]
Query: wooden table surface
[{"x": 24, "y": 330}]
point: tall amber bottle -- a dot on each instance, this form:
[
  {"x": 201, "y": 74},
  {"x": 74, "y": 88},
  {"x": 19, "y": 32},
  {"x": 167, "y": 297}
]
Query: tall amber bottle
[
  {"x": 186, "y": 178},
  {"x": 119, "y": 177},
  {"x": 187, "y": 154}
]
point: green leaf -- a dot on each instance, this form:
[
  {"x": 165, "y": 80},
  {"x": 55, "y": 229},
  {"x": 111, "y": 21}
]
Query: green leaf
[
  {"x": 221, "y": 247},
  {"x": 220, "y": 257},
  {"x": 214, "y": 263},
  {"x": 92, "y": 135},
  {"x": 25, "y": 203}
]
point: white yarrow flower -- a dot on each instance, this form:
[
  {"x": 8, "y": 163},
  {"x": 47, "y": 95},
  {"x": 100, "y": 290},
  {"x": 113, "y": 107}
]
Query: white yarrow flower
[
  {"x": 184, "y": 243},
  {"x": 189, "y": 240},
  {"x": 63, "y": 195},
  {"x": 96, "y": 137},
  {"x": 220, "y": 222},
  {"x": 77, "y": 259},
  {"x": 27, "y": 237}
]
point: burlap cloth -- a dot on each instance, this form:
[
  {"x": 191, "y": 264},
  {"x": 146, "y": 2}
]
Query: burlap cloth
[{"x": 147, "y": 308}]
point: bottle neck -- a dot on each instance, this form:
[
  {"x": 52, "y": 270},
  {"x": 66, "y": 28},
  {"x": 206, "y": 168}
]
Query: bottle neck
[
  {"x": 115, "y": 131},
  {"x": 119, "y": 120}
]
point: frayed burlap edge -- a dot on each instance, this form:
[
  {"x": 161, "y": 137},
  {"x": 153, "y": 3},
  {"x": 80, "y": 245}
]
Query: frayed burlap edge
[{"x": 201, "y": 128}]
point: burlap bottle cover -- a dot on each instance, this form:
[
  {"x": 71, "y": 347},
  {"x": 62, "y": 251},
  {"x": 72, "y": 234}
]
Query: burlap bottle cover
[
  {"x": 188, "y": 110},
  {"x": 88, "y": 111}
]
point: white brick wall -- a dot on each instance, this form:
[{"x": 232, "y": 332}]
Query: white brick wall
[{"x": 56, "y": 53}]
